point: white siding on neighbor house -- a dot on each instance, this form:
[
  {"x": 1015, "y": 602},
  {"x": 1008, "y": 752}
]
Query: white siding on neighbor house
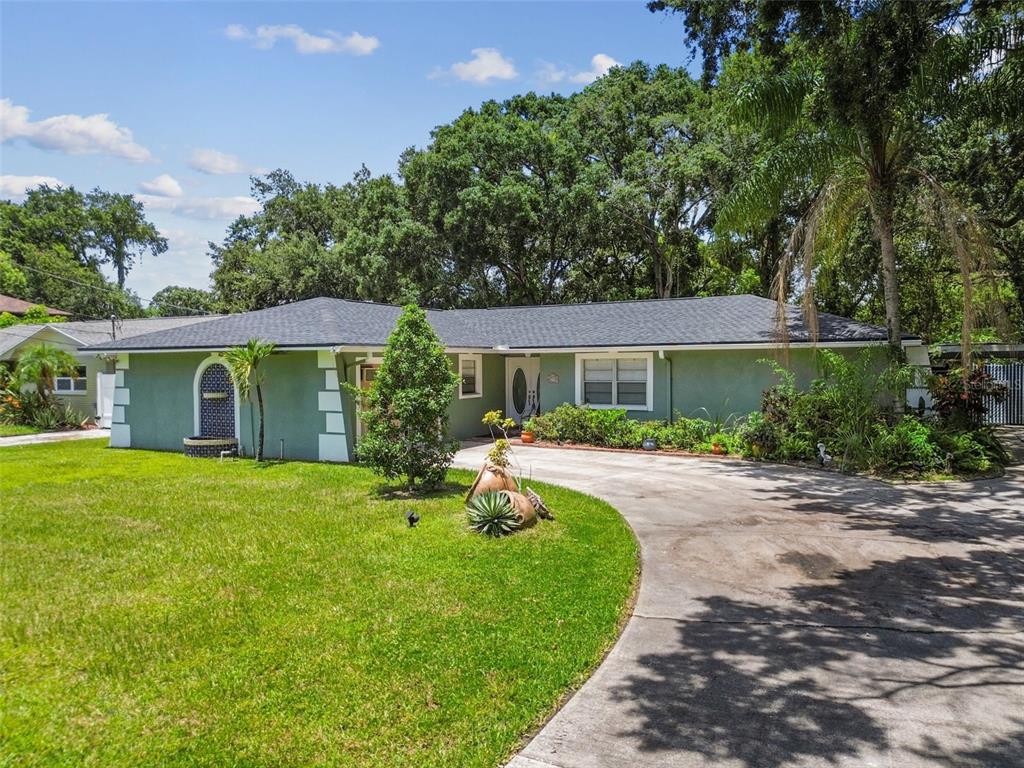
[{"x": 84, "y": 401}]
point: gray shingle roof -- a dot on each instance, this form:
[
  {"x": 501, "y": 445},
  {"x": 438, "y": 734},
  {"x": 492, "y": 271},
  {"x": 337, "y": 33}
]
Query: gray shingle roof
[
  {"x": 327, "y": 322},
  {"x": 88, "y": 332}
]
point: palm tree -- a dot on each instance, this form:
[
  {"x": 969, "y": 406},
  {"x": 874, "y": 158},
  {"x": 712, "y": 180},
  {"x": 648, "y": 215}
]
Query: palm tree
[
  {"x": 41, "y": 365},
  {"x": 243, "y": 365},
  {"x": 859, "y": 167}
]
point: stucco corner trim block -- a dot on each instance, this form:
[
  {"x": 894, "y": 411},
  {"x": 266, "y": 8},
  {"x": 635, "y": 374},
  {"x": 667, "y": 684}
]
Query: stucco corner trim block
[
  {"x": 120, "y": 436},
  {"x": 122, "y": 396},
  {"x": 336, "y": 423},
  {"x": 333, "y": 443},
  {"x": 333, "y": 448},
  {"x": 330, "y": 401}
]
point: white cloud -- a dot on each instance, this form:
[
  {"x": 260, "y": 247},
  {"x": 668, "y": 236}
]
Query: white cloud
[
  {"x": 599, "y": 66},
  {"x": 551, "y": 73},
  {"x": 209, "y": 208},
  {"x": 163, "y": 185},
  {"x": 236, "y": 32},
  {"x": 487, "y": 64},
  {"x": 186, "y": 261},
  {"x": 72, "y": 134},
  {"x": 15, "y": 187},
  {"x": 217, "y": 163},
  {"x": 305, "y": 42}
]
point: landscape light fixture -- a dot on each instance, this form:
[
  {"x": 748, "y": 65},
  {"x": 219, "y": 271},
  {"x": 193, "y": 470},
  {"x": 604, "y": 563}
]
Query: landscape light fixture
[{"x": 412, "y": 517}]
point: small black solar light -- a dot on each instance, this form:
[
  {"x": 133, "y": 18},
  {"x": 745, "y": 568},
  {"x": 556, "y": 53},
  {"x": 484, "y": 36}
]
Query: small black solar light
[{"x": 412, "y": 517}]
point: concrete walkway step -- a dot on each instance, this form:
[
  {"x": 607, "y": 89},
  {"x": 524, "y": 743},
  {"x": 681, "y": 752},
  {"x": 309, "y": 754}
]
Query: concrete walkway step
[{"x": 53, "y": 437}]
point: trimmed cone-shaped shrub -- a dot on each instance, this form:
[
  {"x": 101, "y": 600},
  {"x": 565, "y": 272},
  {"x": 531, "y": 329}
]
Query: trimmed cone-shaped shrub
[
  {"x": 406, "y": 409},
  {"x": 492, "y": 514}
]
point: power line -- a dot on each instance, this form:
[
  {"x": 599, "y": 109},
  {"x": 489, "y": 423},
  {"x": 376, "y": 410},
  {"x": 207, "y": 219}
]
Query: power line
[{"x": 108, "y": 290}]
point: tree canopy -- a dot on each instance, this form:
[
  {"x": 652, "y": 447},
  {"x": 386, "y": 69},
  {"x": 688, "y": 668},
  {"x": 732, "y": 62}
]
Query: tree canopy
[
  {"x": 866, "y": 158},
  {"x": 53, "y": 245}
]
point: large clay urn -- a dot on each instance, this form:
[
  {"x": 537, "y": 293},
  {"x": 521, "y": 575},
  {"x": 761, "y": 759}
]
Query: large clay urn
[
  {"x": 524, "y": 509},
  {"x": 492, "y": 478}
]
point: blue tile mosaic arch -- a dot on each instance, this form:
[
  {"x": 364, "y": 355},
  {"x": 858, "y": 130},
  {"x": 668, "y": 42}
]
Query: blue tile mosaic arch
[{"x": 216, "y": 414}]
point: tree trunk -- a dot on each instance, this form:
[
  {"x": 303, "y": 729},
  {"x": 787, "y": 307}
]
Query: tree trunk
[
  {"x": 119, "y": 262},
  {"x": 259, "y": 444},
  {"x": 771, "y": 255},
  {"x": 882, "y": 218}
]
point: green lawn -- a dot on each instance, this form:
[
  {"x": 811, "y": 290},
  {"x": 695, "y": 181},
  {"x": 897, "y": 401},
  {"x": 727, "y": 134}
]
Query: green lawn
[
  {"x": 158, "y": 610},
  {"x": 12, "y": 430}
]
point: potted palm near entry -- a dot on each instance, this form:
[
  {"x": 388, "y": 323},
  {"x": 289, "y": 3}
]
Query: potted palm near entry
[
  {"x": 527, "y": 434},
  {"x": 244, "y": 367}
]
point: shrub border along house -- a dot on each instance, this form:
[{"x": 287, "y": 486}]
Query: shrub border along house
[
  {"x": 653, "y": 358},
  {"x": 846, "y": 411}
]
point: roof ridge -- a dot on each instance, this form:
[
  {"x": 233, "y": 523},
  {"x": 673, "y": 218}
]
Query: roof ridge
[{"x": 612, "y": 301}]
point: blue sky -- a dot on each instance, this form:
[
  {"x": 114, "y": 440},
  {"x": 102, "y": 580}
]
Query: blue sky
[{"x": 196, "y": 96}]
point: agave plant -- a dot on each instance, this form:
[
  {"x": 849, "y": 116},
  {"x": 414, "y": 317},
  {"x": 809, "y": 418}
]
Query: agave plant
[{"x": 492, "y": 514}]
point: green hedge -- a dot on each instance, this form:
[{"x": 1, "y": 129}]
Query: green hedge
[
  {"x": 609, "y": 428},
  {"x": 845, "y": 409}
]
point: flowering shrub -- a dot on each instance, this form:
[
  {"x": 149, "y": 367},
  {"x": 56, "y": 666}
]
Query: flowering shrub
[{"x": 962, "y": 402}]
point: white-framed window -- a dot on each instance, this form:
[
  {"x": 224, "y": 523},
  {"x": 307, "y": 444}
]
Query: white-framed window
[
  {"x": 471, "y": 376},
  {"x": 615, "y": 380},
  {"x": 67, "y": 385}
]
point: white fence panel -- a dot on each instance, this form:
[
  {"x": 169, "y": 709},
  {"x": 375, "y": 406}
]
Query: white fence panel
[{"x": 1009, "y": 410}]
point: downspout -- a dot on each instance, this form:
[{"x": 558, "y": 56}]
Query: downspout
[{"x": 668, "y": 360}]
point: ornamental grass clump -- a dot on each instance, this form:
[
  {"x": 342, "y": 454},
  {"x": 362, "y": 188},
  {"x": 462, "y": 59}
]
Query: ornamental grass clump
[{"x": 492, "y": 514}]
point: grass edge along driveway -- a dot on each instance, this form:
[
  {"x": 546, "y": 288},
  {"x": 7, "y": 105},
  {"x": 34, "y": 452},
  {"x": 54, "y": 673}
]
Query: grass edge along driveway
[{"x": 166, "y": 611}]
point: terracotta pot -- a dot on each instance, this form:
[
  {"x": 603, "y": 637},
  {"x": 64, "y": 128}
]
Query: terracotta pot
[
  {"x": 718, "y": 450},
  {"x": 492, "y": 478},
  {"x": 527, "y": 437},
  {"x": 525, "y": 511}
]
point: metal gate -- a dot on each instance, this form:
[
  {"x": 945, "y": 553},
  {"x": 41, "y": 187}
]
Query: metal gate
[{"x": 1009, "y": 410}]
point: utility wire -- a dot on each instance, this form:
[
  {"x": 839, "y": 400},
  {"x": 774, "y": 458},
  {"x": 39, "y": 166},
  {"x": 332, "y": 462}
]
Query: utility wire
[{"x": 107, "y": 289}]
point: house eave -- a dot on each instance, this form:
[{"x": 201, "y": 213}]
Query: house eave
[
  {"x": 695, "y": 347},
  {"x": 507, "y": 350}
]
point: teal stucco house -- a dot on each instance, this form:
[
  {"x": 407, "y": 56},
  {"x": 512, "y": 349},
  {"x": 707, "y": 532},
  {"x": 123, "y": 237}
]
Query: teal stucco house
[{"x": 653, "y": 358}]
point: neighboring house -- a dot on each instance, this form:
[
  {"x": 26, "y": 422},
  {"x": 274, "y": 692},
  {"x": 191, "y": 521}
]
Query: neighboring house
[
  {"x": 692, "y": 356},
  {"x": 18, "y": 307},
  {"x": 83, "y": 391}
]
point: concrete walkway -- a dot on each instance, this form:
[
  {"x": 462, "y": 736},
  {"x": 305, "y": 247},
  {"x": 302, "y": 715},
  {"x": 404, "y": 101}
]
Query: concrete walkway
[
  {"x": 1012, "y": 438},
  {"x": 799, "y": 618},
  {"x": 53, "y": 437}
]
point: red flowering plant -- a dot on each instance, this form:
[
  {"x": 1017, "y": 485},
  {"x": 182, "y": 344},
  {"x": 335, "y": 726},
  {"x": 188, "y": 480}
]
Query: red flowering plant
[{"x": 960, "y": 400}]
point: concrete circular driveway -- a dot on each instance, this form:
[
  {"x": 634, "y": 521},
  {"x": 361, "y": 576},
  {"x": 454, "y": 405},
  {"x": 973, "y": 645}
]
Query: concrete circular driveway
[{"x": 799, "y": 618}]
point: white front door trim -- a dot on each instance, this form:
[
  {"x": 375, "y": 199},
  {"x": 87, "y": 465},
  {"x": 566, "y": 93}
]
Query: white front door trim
[{"x": 531, "y": 369}]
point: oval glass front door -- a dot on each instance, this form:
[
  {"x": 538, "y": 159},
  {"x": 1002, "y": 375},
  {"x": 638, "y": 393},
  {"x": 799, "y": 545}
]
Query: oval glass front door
[{"x": 519, "y": 391}]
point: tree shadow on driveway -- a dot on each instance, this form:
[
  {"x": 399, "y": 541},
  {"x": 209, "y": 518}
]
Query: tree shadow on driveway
[{"x": 913, "y": 660}]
